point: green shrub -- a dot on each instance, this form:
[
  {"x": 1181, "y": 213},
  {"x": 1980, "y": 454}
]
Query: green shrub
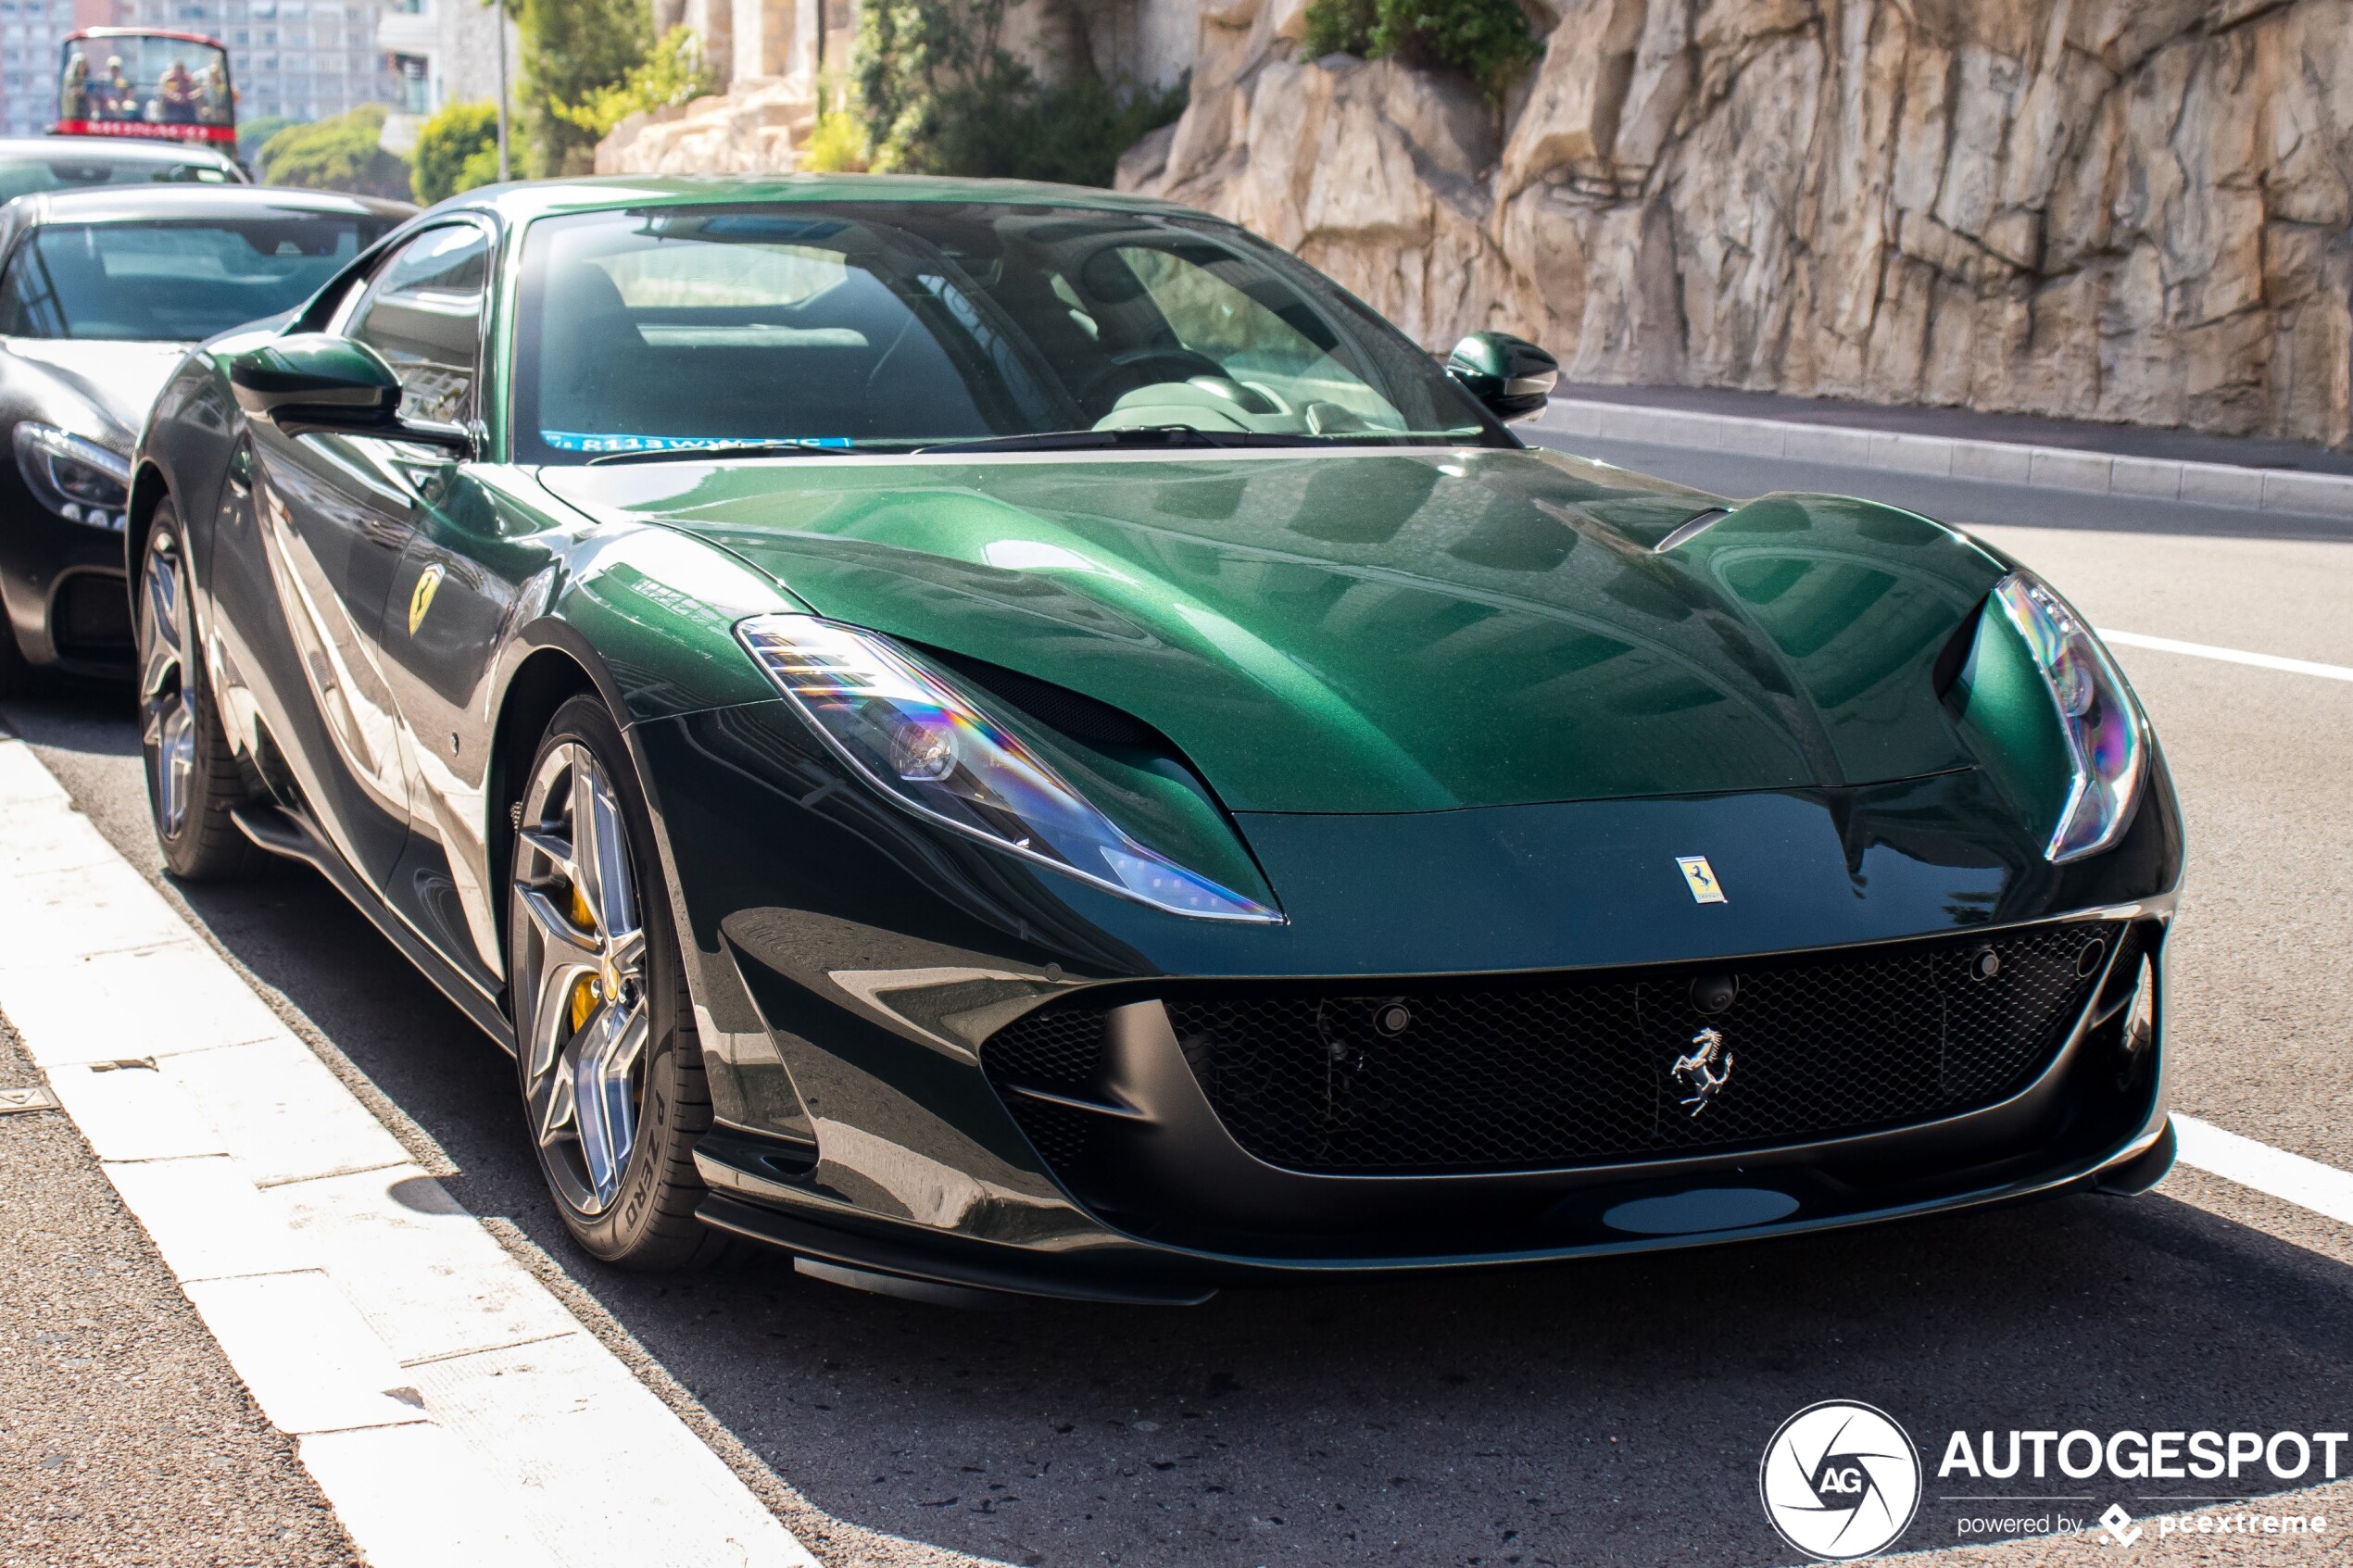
[
  {"x": 1488, "y": 40},
  {"x": 253, "y": 134},
  {"x": 671, "y": 73},
  {"x": 573, "y": 49},
  {"x": 341, "y": 153},
  {"x": 456, "y": 150},
  {"x": 943, "y": 96}
]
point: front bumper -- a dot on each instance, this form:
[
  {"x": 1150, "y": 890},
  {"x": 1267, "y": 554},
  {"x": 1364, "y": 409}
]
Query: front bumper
[
  {"x": 1181, "y": 1207},
  {"x": 851, "y": 970},
  {"x": 63, "y": 589}
]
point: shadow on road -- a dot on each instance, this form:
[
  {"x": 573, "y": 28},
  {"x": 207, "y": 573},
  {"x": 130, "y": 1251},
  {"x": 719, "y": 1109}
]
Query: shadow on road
[{"x": 1601, "y": 1412}]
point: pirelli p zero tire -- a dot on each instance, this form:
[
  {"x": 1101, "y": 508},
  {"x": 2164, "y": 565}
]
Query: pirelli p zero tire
[
  {"x": 612, "y": 1078},
  {"x": 192, "y": 782}
]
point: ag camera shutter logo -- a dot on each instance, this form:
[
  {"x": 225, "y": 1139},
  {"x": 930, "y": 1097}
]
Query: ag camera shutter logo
[{"x": 1839, "y": 1480}]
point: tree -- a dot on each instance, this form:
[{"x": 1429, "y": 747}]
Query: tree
[
  {"x": 456, "y": 150},
  {"x": 943, "y": 96},
  {"x": 342, "y": 154},
  {"x": 571, "y": 50},
  {"x": 671, "y": 73}
]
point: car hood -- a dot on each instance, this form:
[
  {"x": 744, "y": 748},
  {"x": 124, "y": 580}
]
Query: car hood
[
  {"x": 120, "y": 380},
  {"x": 1382, "y": 630}
]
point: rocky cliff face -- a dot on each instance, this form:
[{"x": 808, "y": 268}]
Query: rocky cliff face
[{"x": 2117, "y": 209}]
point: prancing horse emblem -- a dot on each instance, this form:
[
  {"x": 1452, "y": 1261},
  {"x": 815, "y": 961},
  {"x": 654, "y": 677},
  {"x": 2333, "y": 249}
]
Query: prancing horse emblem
[
  {"x": 421, "y": 597},
  {"x": 1703, "y": 1070}
]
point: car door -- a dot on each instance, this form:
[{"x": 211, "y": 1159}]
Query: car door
[
  {"x": 457, "y": 591},
  {"x": 336, "y": 514}
]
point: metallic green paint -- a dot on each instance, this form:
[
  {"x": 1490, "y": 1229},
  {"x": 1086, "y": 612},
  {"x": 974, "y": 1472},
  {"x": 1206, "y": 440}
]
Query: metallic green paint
[{"x": 1374, "y": 632}]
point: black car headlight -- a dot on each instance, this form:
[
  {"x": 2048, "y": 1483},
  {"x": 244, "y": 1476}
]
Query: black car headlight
[
  {"x": 2053, "y": 704},
  {"x": 915, "y": 735},
  {"x": 75, "y": 478}
]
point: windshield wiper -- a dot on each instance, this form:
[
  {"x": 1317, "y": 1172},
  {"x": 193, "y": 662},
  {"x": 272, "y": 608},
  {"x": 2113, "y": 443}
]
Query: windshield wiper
[
  {"x": 742, "y": 450},
  {"x": 1111, "y": 440}
]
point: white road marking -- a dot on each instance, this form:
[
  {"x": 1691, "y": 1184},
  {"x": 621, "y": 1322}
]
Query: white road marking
[
  {"x": 454, "y": 1412},
  {"x": 2291, "y": 1178},
  {"x": 2229, "y": 656}
]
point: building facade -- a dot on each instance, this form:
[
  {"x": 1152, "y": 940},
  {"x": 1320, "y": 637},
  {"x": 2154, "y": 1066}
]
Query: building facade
[{"x": 302, "y": 59}]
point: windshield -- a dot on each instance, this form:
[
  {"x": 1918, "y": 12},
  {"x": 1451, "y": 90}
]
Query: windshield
[
  {"x": 24, "y": 176},
  {"x": 149, "y": 78},
  {"x": 173, "y": 281},
  {"x": 906, "y": 324}
]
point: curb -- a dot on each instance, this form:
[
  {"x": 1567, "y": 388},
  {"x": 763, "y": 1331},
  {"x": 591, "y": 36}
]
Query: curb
[
  {"x": 453, "y": 1410},
  {"x": 1938, "y": 457}
]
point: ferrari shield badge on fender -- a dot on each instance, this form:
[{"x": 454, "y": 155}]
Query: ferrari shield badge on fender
[
  {"x": 1697, "y": 873},
  {"x": 420, "y": 600}
]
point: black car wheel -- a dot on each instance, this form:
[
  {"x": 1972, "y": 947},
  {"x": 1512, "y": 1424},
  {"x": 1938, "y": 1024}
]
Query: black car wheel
[
  {"x": 193, "y": 783},
  {"x": 611, "y": 1072}
]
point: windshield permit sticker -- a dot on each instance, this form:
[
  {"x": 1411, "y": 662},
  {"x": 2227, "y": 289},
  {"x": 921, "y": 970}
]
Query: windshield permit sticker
[{"x": 576, "y": 440}]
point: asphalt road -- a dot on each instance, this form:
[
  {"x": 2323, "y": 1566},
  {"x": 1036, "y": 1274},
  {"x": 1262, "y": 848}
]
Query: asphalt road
[{"x": 1609, "y": 1412}]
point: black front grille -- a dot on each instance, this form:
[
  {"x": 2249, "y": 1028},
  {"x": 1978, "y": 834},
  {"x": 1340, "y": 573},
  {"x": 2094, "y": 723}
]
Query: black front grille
[{"x": 1578, "y": 1069}]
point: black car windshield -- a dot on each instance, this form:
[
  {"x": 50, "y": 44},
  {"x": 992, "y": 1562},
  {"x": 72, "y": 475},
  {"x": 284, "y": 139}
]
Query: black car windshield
[
  {"x": 916, "y": 324},
  {"x": 175, "y": 282},
  {"x": 55, "y": 172}
]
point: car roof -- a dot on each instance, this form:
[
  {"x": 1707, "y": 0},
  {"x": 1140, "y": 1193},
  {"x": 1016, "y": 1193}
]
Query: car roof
[
  {"x": 542, "y": 198},
  {"x": 105, "y": 149},
  {"x": 119, "y": 204}
]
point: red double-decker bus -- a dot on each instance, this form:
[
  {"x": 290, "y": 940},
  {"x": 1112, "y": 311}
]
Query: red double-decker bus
[{"x": 140, "y": 82}]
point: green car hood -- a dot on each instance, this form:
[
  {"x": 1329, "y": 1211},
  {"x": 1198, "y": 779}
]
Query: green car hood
[{"x": 1380, "y": 630}]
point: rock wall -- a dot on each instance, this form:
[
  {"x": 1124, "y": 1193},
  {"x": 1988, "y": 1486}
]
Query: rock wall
[
  {"x": 2116, "y": 209},
  {"x": 757, "y": 128}
]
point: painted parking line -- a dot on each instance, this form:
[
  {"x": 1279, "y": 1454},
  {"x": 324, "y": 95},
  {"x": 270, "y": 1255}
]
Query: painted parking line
[
  {"x": 2291, "y": 1178},
  {"x": 2229, "y": 656},
  {"x": 451, "y": 1408}
]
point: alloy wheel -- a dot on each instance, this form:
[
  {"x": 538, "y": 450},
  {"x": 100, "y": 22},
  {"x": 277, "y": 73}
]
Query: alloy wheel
[
  {"x": 583, "y": 960},
  {"x": 166, "y": 714}
]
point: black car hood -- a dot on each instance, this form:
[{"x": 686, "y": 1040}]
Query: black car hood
[{"x": 119, "y": 381}]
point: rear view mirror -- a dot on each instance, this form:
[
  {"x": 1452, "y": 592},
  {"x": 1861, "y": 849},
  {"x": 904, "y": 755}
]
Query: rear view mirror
[
  {"x": 1510, "y": 375},
  {"x": 317, "y": 383}
]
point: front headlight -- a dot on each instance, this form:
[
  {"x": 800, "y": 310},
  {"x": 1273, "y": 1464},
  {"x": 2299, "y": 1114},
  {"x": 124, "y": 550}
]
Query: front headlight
[
  {"x": 75, "y": 478},
  {"x": 920, "y": 741},
  {"x": 2096, "y": 717}
]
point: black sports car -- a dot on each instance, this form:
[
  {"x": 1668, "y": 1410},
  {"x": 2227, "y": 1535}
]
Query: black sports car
[
  {"x": 102, "y": 291},
  {"x": 1005, "y": 737}
]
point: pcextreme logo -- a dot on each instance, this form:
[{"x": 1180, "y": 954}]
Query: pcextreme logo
[{"x": 1839, "y": 1480}]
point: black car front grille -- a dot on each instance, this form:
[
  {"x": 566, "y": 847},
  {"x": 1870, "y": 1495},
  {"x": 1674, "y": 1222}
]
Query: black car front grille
[{"x": 1581, "y": 1068}]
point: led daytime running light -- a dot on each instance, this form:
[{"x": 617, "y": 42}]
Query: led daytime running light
[
  {"x": 72, "y": 476},
  {"x": 921, "y": 742},
  {"x": 2096, "y": 714}
]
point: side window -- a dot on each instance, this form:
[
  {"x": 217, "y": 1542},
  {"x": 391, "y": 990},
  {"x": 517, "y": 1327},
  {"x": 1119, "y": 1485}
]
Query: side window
[{"x": 423, "y": 314}]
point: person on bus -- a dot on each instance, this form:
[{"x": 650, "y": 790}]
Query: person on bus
[
  {"x": 217, "y": 109},
  {"x": 178, "y": 94},
  {"x": 73, "y": 98},
  {"x": 119, "y": 99}
]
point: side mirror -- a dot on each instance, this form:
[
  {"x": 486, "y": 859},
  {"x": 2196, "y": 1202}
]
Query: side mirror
[
  {"x": 1509, "y": 375},
  {"x": 318, "y": 384}
]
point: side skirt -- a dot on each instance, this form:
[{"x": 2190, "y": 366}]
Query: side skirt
[{"x": 285, "y": 832}]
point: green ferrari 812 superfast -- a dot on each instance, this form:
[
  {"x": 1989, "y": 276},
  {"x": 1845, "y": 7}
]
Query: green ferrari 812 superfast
[{"x": 1004, "y": 738}]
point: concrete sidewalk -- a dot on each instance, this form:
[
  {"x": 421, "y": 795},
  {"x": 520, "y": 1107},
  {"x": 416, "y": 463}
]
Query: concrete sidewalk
[{"x": 2066, "y": 454}]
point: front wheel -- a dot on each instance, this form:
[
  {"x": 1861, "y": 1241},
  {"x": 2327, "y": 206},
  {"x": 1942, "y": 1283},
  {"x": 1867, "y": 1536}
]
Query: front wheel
[
  {"x": 193, "y": 783},
  {"x": 613, "y": 1079}
]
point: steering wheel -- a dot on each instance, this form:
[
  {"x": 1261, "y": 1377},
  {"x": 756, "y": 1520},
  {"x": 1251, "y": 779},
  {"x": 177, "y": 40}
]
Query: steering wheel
[{"x": 1180, "y": 364}]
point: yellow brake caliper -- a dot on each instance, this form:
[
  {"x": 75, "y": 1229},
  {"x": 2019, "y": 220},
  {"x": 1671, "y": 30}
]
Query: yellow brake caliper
[{"x": 586, "y": 992}]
